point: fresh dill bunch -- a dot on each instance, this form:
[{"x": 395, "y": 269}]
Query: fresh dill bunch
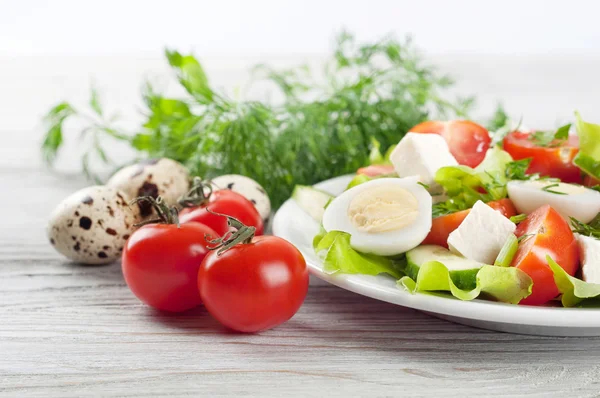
[{"x": 374, "y": 91}]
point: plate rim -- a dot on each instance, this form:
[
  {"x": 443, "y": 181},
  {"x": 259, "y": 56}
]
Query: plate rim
[{"x": 481, "y": 310}]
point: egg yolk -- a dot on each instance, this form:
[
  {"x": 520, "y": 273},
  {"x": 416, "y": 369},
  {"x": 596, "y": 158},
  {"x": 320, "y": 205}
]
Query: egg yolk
[{"x": 383, "y": 209}]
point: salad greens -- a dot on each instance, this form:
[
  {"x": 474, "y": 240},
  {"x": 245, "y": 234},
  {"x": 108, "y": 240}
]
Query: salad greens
[
  {"x": 378, "y": 158},
  {"x": 517, "y": 170},
  {"x": 505, "y": 284},
  {"x": 464, "y": 185},
  {"x": 574, "y": 291},
  {"x": 548, "y": 188},
  {"x": 338, "y": 256},
  {"x": 590, "y": 229},
  {"x": 588, "y": 157},
  {"x": 357, "y": 180},
  {"x": 551, "y": 138},
  {"x": 372, "y": 92}
]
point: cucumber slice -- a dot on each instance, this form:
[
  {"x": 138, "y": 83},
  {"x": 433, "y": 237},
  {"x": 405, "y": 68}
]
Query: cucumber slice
[
  {"x": 508, "y": 252},
  {"x": 311, "y": 200},
  {"x": 462, "y": 270}
]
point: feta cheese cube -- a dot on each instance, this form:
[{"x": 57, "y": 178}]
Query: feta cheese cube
[
  {"x": 482, "y": 234},
  {"x": 590, "y": 258},
  {"x": 421, "y": 155}
]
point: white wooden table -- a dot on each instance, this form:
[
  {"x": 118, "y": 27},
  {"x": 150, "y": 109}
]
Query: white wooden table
[{"x": 68, "y": 330}]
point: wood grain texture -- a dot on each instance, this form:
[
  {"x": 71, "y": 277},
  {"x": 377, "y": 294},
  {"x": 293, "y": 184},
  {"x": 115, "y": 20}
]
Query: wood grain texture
[{"x": 71, "y": 331}]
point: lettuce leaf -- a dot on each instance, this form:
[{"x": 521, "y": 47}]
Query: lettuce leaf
[
  {"x": 338, "y": 256},
  {"x": 464, "y": 185},
  {"x": 575, "y": 292},
  {"x": 357, "y": 180},
  {"x": 588, "y": 157},
  {"x": 376, "y": 157},
  {"x": 504, "y": 284}
]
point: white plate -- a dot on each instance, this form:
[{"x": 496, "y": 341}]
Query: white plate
[{"x": 294, "y": 225}]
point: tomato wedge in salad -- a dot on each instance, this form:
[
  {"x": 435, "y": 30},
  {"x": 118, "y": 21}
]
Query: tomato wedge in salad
[
  {"x": 543, "y": 233},
  {"x": 554, "y": 160},
  {"x": 376, "y": 170},
  {"x": 468, "y": 141},
  {"x": 443, "y": 226}
]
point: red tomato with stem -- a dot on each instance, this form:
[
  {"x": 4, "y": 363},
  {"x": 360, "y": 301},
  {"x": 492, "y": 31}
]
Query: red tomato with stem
[
  {"x": 545, "y": 232},
  {"x": 223, "y": 201},
  {"x": 253, "y": 283},
  {"x": 443, "y": 226},
  {"x": 555, "y": 160},
  {"x": 468, "y": 141},
  {"x": 160, "y": 261}
]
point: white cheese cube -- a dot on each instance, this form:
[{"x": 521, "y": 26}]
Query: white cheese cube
[
  {"x": 482, "y": 234},
  {"x": 421, "y": 155},
  {"x": 590, "y": 258}
]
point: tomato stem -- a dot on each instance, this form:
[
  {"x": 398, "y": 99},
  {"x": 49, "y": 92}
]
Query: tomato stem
[
  {"x": 239, "y": 234},
  {"x": 198, "y": 195},
  {"x": 166, "y": 214}
]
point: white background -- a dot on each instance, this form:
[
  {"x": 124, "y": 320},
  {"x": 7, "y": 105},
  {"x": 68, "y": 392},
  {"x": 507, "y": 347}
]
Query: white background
[{"x": 229, "y": 27}]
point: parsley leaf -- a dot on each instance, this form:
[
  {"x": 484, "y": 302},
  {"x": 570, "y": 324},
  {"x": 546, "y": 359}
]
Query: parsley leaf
[
  {"x": 499, "y": 119},
  {"x": 563, "y": 132},
  {"x": 517, "y": 169},
  {"x": 542, "y": 138},
  {"x": 445, "y": 208},
  {"x": 548, "y": 188},
  {"x": 549, "y": 138},
  {"x": 591, "y": 229}
]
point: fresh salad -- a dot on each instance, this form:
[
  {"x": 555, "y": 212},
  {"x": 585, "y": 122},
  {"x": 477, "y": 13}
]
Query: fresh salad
[{"x": 510, "y": 216}]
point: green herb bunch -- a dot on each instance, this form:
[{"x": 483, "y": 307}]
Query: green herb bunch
[{"x": 372, "y": 93}]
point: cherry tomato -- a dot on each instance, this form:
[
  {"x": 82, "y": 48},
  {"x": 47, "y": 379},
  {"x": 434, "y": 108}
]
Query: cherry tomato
[
  {"x": 161, "y": 262},
  {"x": 376, "y": 170},
  {"x": 545, "y": 232},
  {"x": 554, "y": 161},
  {"x": 468, "y": 141},
  {"x": 442, "y": 227},
  {"x": 227, "y": 202},
  {"x": 254, "y": 286}
]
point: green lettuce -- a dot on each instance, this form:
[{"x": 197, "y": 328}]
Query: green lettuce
[
  {"x": 575, "y": 292},
  {"x": 504, "y": 284},
  {"x": 588, "y": 157},
  {"x": 338, "y": 256},
  {"x": 376, "y": 157},
  {"x": 357, "y": 180},
  {"x": 464, "y": 185}
]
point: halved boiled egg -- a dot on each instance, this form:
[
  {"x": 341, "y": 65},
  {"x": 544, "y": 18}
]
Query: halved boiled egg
[
  {"x": 386, "y": 216},
  {"x": 569, "y": 200}
]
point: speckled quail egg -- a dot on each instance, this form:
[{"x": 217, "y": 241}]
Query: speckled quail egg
[
  {"x": 154, "y": 177},
  {"x": 248, "y": 188},
  {"x": 92, "y": 225}
]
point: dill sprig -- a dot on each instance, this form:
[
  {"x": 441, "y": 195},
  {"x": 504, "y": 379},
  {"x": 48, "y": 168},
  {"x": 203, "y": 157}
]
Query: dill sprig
[{"x": 371, "y": 92}]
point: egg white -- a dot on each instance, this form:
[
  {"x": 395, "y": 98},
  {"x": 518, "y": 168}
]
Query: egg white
[
  {"x": 387, "y": 243},
  {"x": 578, "y": 202}
]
